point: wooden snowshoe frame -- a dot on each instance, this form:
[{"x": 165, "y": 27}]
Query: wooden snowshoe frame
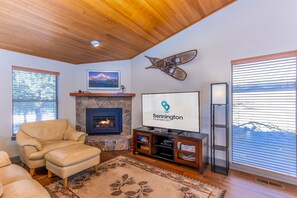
[{"x": 170, "y": 64}]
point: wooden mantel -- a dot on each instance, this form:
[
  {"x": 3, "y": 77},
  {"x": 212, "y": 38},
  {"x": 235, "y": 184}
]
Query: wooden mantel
[{"x": 102, "y": 94}]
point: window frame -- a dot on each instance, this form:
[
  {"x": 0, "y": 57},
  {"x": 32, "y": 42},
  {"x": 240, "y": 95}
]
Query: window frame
[
  {"x": 33, "y": 70},
  {"x": 246, "y": 168}
]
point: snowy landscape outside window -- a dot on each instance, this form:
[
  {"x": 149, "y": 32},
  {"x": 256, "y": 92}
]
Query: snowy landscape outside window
[
  {"x": 34, "y": 95},
  {"x": 264, "y": 113}
]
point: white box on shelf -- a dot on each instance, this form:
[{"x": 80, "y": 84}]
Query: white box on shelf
[{"x": 185, "y": 147}]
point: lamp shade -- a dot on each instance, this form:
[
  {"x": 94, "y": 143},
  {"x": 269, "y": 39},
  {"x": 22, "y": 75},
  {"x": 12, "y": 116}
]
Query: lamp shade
[{"x": 219, "y": 93}]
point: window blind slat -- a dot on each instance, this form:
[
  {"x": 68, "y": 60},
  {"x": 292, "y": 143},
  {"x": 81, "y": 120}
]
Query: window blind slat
[
  {"x": 34, "y": 96},
  {"x": 264, "y": 115}
]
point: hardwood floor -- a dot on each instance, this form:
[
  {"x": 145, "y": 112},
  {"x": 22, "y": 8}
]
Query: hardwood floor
[{"x": 237, "y": 184}]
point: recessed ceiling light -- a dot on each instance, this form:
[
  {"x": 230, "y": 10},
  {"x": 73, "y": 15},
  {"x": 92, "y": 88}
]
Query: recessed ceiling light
[{"x": 95, "y": 43}]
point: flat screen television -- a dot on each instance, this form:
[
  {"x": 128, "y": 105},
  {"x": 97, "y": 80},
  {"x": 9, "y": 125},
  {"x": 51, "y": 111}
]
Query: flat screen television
[{"x": 175, "y": 111}]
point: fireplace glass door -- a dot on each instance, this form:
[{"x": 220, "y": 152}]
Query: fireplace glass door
[{"x": 104, "y": 122}]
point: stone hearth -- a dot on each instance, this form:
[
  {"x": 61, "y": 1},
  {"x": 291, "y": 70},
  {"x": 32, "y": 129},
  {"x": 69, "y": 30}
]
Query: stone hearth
[
  {"x": 106, "y": 142},
  {"x": 110, "y": 142}
]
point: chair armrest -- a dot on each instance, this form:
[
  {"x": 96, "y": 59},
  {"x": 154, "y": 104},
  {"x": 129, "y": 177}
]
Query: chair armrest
[
  {"x": 27, "y": 150},
  {"x": 73, "y": 135},
  {"x": 23, "y": 139},
  {"x": 82, "y": 138},
  {"x": 4, "y": 159}
]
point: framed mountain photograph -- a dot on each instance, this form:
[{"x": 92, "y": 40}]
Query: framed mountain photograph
[{"x": 103, "y": 79}]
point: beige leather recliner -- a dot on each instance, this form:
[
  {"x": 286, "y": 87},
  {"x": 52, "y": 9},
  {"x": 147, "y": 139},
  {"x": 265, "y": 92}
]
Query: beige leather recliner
[
  {"x": 36, "y": 139},
  {"x": 16, "y": 181}
]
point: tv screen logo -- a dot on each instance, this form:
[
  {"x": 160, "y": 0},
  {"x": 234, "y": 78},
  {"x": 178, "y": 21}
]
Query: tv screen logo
[
  {"x": 166, "y": 117},
  {"x": 166, "y": 106}
]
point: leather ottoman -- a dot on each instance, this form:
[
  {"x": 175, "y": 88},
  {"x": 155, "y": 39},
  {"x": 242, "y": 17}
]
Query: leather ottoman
[{"x": 72, "y": 159}]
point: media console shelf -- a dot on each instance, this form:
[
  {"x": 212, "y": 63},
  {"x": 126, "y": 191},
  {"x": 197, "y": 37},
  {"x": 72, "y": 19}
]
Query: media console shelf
[{"x": 187, "y": 148}]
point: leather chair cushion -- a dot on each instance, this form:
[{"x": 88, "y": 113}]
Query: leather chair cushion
[
  {"x": 49, "y": 147},
  {"x": 25, "y": 188},
  {"x": 71, "y": 155},
  {"x": 13, "y": 173},
  {"x": 46, "y": 131}
]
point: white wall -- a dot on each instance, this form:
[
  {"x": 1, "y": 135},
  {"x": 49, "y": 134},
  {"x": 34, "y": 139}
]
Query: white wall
[
  {"x": 66, "y": 81},
  {"x": 246, "y": 28},
  {"x": 124, "y": 66}
]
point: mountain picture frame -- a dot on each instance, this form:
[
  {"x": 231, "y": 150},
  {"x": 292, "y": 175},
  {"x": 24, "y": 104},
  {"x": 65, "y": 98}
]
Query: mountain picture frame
[{"x": 97, "y": 79}]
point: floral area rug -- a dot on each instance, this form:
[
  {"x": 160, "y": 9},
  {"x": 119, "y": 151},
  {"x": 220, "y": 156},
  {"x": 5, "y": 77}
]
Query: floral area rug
[{"x": 125, "y": 177}]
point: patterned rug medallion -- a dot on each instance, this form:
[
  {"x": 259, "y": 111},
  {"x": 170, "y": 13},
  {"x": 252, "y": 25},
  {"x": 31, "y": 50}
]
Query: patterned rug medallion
[{"x": 126, "y": 177}]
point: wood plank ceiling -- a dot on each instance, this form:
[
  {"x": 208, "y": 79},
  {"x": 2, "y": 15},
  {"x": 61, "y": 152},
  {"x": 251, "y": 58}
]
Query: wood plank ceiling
[{"x": 62, "y": 29}]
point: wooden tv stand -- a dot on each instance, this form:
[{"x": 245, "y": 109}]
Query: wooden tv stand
[{"x": 187, "y": 148}]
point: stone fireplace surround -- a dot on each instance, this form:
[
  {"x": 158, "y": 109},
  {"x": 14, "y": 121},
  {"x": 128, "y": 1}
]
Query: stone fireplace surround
[{"x": 105, "y": 100}]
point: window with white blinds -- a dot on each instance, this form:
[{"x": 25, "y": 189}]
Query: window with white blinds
[
  {"x": 34, "y": 95},
  {"x": 264, "y": 113}
]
